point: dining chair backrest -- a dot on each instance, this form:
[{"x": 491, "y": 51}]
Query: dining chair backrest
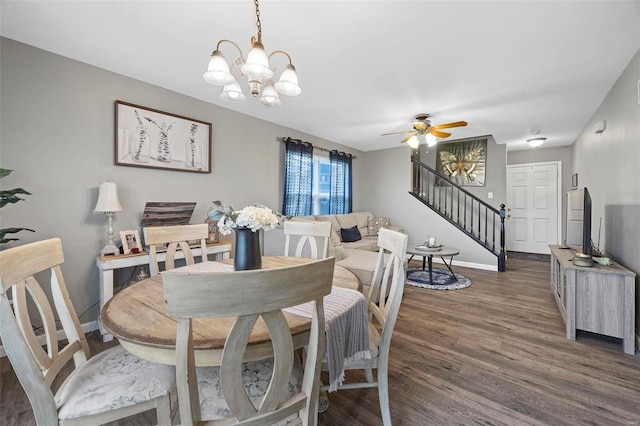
[
  {"x": 174, "y": 238},
  {"x": 35, "y": 366},
  {"x": 310, "y": 234},
  {"x": 85, "y": 395},
  {"x": 388, "y": 279},
  {"x": 248, "y": 295}
]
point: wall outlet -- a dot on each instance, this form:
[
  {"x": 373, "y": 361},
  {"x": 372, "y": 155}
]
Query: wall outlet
[{"x": 490, "y": 195}]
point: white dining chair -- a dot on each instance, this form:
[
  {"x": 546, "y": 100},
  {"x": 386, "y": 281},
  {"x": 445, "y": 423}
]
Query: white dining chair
[
  {"x": 388, "y": 279},
  {"x": 259, "y": 392},
  {"x": 111, "y": 385},
  {"x": 174, "y": 238},
  {"x": 310, "y": 235}
]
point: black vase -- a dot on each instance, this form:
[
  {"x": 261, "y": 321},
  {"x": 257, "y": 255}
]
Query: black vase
[{"x": 247, "y": 250}]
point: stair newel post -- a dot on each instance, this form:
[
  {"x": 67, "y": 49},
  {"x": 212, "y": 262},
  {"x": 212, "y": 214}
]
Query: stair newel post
[{"x": 502, "y": 257}]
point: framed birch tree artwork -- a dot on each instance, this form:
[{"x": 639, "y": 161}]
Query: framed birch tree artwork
[{"x": 147, "y": 137}]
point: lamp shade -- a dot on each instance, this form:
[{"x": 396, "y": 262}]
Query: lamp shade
[
  {"x": 270, "y": 96},
  {"x": 108, "y": 198},
  {"x": 218, "y": 72},
  {"x": 431, "y": 140},
  {"x": 257, "y": 65},
  {"x": 288, "y": 83},
  {"x": 232, "y": 92},
  {"x": 413, "y": 142}
]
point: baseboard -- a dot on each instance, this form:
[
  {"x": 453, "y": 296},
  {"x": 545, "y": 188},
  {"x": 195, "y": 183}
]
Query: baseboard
[
  {"x": 87, "y": 327},
  {"x": 468, "y": 264}
]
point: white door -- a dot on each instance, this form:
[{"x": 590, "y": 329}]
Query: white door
[{"x": 533, "y": 210}]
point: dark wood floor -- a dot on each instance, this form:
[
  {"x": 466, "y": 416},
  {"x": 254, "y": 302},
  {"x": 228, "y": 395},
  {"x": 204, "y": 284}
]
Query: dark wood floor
[{"x": 494, "y": 353}]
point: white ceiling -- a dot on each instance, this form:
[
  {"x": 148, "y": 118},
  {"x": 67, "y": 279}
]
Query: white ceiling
[{"x": 367, "y": 67}]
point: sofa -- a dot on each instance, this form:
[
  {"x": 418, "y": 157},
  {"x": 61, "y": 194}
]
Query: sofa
[{"x": 358, "y": 256}]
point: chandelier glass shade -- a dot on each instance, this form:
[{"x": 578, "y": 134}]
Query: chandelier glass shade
[{"x": 256, "y": 68}]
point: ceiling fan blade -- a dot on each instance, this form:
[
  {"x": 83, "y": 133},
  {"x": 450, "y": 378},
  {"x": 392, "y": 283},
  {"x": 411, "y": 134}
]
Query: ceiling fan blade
[
  {"x": 409, "y": 137},
  {"x": 438, "y": 133},
  {"x": 396, "y": 133},
  {"x": 450, "y": 125}
]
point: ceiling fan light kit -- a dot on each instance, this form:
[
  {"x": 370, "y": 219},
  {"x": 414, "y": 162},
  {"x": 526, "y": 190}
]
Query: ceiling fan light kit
[{"x": 256, "y": 68}]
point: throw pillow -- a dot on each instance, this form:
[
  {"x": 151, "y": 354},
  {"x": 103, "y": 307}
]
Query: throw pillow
[
  {"x": 351, "y": 234},
  {"x": 384, "y": 222},
  {"x": 374, "y": 224}
]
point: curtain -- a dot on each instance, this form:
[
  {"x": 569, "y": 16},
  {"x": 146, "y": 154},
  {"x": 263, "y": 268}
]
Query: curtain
[
  {"x": 298, "y": 178},
  {"x": 341, "y": 201}
]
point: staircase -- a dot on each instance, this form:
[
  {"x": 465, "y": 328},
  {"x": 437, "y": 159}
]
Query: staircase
[{"x": 472, "y": 216}]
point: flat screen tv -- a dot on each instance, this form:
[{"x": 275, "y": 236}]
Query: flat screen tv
[
  {"x": 579, "y": 220},
  {"x": 586, "y": 224}
]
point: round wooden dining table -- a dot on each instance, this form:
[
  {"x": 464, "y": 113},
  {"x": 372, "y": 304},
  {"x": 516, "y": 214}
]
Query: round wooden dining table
[{"x": 137, "y": 317}]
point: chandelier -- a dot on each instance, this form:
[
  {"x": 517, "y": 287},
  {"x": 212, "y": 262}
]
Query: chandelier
[{"x": 256, "y": 69}]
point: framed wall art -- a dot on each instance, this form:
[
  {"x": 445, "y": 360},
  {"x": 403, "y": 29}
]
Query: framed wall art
[
  {"x": 151, "y": 138},
  {"x": 463, "y": 163}
]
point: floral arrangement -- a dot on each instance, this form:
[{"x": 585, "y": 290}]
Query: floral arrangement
[{"x": 254, "y": 217}]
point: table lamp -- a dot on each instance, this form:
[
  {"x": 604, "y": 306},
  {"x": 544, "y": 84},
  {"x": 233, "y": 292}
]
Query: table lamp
[{"x": 108, "y": 204}]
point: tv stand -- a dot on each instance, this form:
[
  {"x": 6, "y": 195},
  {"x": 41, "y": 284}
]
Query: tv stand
[{"x": 599, "y": 299}]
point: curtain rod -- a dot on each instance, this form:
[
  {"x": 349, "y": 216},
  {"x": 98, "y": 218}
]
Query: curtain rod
[{"x": 283, "y": 139}]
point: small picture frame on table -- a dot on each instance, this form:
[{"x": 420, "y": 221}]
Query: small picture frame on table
[
  {"x": 131, "y": 242},
  {"x": 214, "y": 233}
]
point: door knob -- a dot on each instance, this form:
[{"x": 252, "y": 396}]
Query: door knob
[{"x": 508, "y": 216}]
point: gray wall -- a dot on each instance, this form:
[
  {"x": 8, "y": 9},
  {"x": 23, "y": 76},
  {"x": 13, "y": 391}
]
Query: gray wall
[
  {"x": 57, "y": 133},
  {"x": 607, "y": 164}
]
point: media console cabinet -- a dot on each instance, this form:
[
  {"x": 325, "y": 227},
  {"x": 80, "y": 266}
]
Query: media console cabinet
[{"x": 599, "y": 299}]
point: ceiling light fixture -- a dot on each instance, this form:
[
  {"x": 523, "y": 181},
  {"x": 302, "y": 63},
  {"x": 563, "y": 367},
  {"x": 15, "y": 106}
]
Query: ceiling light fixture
[
  {"x": 536, "y": 140},
  {"x": 421, "y": 138},
  {"x": 256, "y": 68},
  {"x": 413, "y": 142}
]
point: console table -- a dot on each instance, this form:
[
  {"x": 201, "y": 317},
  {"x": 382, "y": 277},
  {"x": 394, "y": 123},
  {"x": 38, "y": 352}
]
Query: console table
[
  {"x": 107, "y": 264},
  {"x": 599, "y": 299}
]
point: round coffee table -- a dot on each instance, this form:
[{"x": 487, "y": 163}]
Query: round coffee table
[{"x": 428, "y": 255}]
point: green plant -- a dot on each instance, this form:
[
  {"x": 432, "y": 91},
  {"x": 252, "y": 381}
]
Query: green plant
[{"x": 10, "y": 196}]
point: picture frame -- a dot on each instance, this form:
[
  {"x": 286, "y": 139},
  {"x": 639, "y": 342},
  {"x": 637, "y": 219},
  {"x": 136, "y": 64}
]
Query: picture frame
[
  {"x": 214, "y": 233},
  {"x": 131, "y": 241},
  {"x": 464, "y": 162},
  {"x": 147, "y": 137}
]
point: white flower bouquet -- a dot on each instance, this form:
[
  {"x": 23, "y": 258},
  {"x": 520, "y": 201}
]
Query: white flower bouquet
[{"x": 254, "y": 217}]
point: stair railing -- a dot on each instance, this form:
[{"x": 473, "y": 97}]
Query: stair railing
[{"x": 475, "y": 218}]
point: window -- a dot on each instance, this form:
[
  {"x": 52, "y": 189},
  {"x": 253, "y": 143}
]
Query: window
[
  {"x": 321, "y": 185},
  {"x": 315, "y": 185}
]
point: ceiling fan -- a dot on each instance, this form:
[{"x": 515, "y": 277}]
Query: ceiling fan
[{"x": 422, "y": 129}]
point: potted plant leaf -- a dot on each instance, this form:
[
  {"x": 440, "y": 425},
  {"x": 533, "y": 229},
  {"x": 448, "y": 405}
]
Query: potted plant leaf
[{"x": 10, "y": 196}]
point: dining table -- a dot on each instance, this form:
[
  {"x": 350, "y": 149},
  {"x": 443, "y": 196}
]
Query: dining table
[{"x": 137, "y": 317}]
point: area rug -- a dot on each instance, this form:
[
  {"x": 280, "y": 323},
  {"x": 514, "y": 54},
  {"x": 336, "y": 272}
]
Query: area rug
[{"x": 442, "y": 279}]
